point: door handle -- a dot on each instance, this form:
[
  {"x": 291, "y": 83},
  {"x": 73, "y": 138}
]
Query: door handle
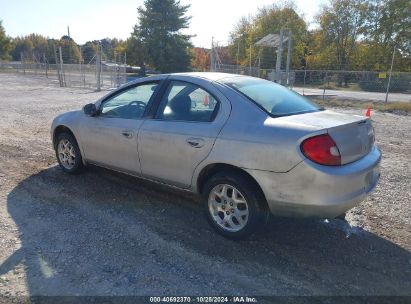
[
  {"x": 127, "y": 133},
  {"x": 195, "y": 142}
]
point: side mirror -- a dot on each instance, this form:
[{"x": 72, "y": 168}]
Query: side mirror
[{"x": 90, "y": 109}]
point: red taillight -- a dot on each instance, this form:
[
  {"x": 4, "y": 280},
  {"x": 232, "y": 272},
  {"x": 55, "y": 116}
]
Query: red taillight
[{"x": 322, "y": 150}]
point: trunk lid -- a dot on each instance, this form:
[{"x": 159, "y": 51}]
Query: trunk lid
[{"x": 353, "y": 134}]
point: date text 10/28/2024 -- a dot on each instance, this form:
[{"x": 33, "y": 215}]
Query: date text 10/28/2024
[{"x": 239, "y": 299}]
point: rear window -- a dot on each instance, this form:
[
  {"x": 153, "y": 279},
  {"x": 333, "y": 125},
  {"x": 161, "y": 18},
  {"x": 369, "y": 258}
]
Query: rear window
[{"x": 275, "y": 99}]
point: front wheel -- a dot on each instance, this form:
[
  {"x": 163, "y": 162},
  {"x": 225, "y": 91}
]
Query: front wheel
[
  {"x": 68, "y": 154},
  {"x": 234, "y": 205}
]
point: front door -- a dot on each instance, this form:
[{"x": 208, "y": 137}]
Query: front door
[
  {"x": 110, "y": 138},
  {"x": 182, "y": 133}
]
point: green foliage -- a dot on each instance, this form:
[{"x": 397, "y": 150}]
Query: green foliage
[
  {"x": 361, "y": 35},
  {"x": 269, "y": 20},
  {"x": 388, "y": 25},
  {"x": 5, "y": 44},
  {"x": 33, "y": 47},
  {"x": 352, "y": 35},
  {"x": 341, "y": 24},
  {"x": 70, "y": 50},
  {"x": 135, "y": 52},
  {"x": 37, "y": 48},
  {"x": 158, "y": 35},
  {"x": 111, "y": 49},
  {"x": 89, "y": 51}
]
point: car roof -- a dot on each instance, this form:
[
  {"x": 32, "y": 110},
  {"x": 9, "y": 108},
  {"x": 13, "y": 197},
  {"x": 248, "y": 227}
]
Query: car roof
[{"x": 211, "y": 76}]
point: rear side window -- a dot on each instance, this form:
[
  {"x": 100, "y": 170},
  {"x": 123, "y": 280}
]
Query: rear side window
[
  {"x": 186, "y": 101},
  {"x": 273, "y": 98}
]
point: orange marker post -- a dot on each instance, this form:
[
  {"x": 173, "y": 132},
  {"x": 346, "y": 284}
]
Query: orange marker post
[
  {"x": 368, "y": 113},
  {"x": 206, "y": 100}
]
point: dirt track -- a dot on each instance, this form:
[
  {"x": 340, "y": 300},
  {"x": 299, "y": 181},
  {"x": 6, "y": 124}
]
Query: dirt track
[{"x": 104, "y": 233}]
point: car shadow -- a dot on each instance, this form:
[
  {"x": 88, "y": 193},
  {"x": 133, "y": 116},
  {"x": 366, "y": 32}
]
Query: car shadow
[{"x": 105, "y": 233}]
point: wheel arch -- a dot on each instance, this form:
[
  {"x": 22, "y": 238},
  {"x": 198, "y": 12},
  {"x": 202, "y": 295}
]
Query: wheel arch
[
  {"x": 212, "y": 169},
  {"x": 64, "y": 129}
]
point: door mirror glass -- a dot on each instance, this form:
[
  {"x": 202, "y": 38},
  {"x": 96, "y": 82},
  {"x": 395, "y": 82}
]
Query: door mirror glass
[{"x": 90, "y": 109}]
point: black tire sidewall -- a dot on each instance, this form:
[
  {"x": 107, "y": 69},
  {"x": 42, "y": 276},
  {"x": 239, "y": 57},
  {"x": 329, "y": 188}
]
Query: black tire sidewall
[
  {"x": 78, "y": 161},
  {"x": 255, "y": 201}
]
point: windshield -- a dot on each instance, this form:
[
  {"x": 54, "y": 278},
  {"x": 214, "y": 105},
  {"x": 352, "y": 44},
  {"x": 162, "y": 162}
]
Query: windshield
[{"x": 275, "y": 99}]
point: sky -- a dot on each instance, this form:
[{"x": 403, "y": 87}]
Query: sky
[{"x": 98, "y": 19}]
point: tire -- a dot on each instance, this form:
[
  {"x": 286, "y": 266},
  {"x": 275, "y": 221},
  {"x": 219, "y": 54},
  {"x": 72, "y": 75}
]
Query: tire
[
  {"x": 242, "y": 223},
  {"x": 68, "y": 153}
]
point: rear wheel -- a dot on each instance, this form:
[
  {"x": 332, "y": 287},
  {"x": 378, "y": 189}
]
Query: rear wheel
[
  {"x": 68, "y": 153},
  {"x": 235, "y": 206}
]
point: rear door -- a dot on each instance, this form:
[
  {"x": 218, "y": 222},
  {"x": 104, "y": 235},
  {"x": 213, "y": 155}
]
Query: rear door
[
  {"x": 110, "y": 138},
  {"x": 183, "y": 131}
]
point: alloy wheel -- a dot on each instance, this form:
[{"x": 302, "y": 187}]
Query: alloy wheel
[
  {"x": 66, "y": 154},
  {"x": 228, "y": 207}
]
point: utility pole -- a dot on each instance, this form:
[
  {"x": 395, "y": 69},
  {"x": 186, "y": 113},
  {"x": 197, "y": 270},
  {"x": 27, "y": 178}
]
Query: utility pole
[
  {"x": 251, "y": 49},
  {"x": 61, "y": 68},
  {"x": 98, "y": 67},
  {"x": 22, "y": 62},
  {"x": 56, "y": 64},
  {"x": 389, "y": 77},
  {"x": 81, "y": 69},
  {"x": 288, "y": 57},
  {"x": 46, "y": 66},
  {"x": 212, "y": 58},
  {"x": 279, "y": 56},
  {"x": 69, "y": 41},
  {"x": 125, "y": 68},
  {"x": 238, "y": 52}
]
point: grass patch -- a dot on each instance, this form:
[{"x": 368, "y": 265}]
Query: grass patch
[
  {"x": 401, "y": 108},
  {"x": 332, "y": 86},
  {"x": 397, "y": 106}
]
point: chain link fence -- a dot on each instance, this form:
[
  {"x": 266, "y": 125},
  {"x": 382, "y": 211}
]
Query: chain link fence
[
  {"x": 367, "y": 81},
  {"x": 101, "y": 72}
]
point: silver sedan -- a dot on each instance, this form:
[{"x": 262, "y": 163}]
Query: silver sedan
[{"x": 248, "y": 146}]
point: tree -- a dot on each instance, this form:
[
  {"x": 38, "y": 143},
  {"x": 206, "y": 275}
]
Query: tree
[
  {"x": 32, "y": 47},
  {"x": 135, "y": 52},
  {"x": 158, "y": 33},
  {"x": 89, "y": 51},
  {"x": 70, "y": 50},
  {"x": 201, "y": 59},
  {"x": 269, "y": 20},
  {"x": 110, "y": 47},
  {"x": 5, "y": 44},
  {"x": 341, "y": 23},
  {"x": 388, "y": 24}
]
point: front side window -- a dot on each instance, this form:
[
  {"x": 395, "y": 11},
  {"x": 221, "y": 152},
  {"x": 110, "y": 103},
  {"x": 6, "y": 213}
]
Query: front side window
[
  {"x": 275, "y": 99},
  {"x": 129, "y": 104},
  {"x": 188, "y": 102}
]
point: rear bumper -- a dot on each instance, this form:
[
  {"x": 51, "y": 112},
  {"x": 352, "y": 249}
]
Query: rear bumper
[{"x": 312, "y": 190}]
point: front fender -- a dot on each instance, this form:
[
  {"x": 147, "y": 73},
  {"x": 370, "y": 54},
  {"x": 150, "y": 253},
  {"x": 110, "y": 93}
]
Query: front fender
[{"x": 71, "y": 121}]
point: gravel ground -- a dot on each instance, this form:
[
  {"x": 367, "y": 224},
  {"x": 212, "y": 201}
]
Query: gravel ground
[{"x": 104, "y": 233}]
